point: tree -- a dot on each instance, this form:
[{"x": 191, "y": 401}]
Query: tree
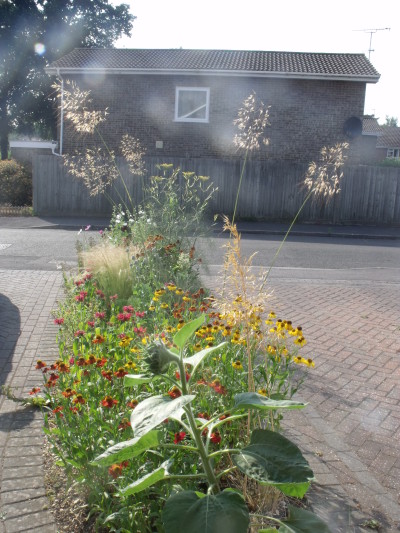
[
  {"x": 390, "y": 121},
  {"x": 34, "y": 33}
]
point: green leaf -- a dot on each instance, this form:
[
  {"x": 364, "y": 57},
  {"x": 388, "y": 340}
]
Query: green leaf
[
  {"x": 187, "y": 331},
  {"x": 272, "y": 459},
  {"x": 196, "y": 359},
  {"x": 147, "y": 481},
  {"x": 127, "y": 450},
  {"x": 131, "y": 380},
  {"x": 75, "y": 347},
  {"x": 224, "y": 513},
  {"x": 269, "y": 530},
  {"x": 302, "y": 521},
  {"x": 154, "y": 410},
  {"x": 252, "y": 400}
]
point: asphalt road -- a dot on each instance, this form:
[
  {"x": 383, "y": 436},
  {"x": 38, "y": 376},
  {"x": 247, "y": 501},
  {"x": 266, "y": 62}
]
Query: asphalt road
[{"x": 308, "y": 257}]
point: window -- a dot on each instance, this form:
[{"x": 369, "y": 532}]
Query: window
[
  {"x": 393, "y": 153},
  {"x": 192, "y": 104}
]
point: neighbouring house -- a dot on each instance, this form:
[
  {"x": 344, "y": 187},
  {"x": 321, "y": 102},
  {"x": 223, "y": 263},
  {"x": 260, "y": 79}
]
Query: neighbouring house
[
  {"x": 24, "y": 151},
  {"x": 182, "y": 103},
  {"x": 388, "y": 143}
]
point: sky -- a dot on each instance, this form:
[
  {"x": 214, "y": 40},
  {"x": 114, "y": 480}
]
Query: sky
[{"x": 341, "y": 26}]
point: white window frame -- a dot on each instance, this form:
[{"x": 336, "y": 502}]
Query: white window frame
[
  {"x": 205, "y": 90},
  {"x": 393, "y": 153}
]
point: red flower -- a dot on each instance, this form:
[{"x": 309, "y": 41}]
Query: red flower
[
  {"x": 114, "y": 297},
  {"x": 132, "y": 404},
  {"x": 90, "y": 323},
  {"x": 68, "y": 393},
  {"x": 107, "y": 374},
  {"x": 215, "y": 437},
  {"x": 218, "y": 388},
  {"x": 101, "y": 362},
  {"x": 81, "y": 361},
  {"x": 203, "y": 415},
  {"x": 100, "y": 315},
  {"x": 79, "y": 333},
  {"x": 108, "y": 402},
  {"x": 35, "y": 390},
  {"x": 63, "y": 367},
  {"x": 59, "y": 321},
  {"x": 174, "y": 393},
  {"x": 79, "y": 399},
  {"x": 115, "y": 470},
  {"x": 120, "y": 373},
  {"x": 58, "y": 410},
  {"x": 91, "y": 360},
  {"x": 53, "y": 377},
  {"x": 178, "y": 375},
  {"x": 179, "y": 437},
  {"x": 40, "y": 364},
  {"x": 124, "y": 424},
  {"x": 140, "y": 314},
  {"x": 128, "y": 309},
  {"x": 124, "y": 317},
  {"x": 99, "y": 339}
]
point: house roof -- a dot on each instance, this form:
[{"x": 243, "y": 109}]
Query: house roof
[
  {"x": 370, "y": 126},
  {"x": 352, "y": 67},
  {"x": 390, "y": 137}
]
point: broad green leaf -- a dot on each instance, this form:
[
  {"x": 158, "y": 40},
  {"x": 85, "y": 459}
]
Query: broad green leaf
[
  {"x": 272, "y": 459},
  {"x": 196, "y": 359},
  {"x": 187, "y": 331},
  {"x": 301, "y": 521},
  {"x": 131, "y": 448},
  {"x": 224, "y": 513},
  {"x": 147, "y": 481},
  {"x": 75, "y": 347},
  {"x": 253, "y": 400},
  {"x": 131, "y": 380},
  {"x": 154, "y": 410}
]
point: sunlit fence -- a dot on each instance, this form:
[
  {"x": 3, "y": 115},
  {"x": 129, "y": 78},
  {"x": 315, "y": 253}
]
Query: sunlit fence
[{"x": 270, "y": 191}]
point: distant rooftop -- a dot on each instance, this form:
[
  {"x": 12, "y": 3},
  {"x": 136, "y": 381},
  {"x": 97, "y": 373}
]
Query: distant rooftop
[
  {"x": 370, "y": 126},
  {"x": 390, "y": 137},
  {"x": 352, "y": 67}
]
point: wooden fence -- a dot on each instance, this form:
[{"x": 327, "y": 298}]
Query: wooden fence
[{"x": 269, "y": 191}]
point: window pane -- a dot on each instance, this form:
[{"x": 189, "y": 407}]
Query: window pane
[{"x": 192, "y": 104}]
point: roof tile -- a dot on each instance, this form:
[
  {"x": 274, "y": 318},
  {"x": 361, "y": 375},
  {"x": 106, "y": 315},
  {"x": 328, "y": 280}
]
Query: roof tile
[{"x": 295, "y": 63}]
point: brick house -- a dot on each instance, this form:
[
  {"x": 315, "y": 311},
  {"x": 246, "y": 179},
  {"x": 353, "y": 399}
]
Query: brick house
[{"x": 182, "y": 103}]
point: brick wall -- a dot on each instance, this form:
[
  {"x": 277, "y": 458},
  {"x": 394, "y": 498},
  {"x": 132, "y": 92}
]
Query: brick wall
[{"x": 305, "y": 114}]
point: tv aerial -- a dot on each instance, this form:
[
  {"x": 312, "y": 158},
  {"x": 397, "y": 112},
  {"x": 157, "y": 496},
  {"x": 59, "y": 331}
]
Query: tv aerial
[{"x": 371, "y": 32}]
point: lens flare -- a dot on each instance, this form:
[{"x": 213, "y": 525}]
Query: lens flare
[{"x": 40, "y": 49}]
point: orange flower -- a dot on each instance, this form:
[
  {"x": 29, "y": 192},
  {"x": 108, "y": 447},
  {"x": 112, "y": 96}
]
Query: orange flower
[
  {"x": 109, "y": 402},
  {"x": 79, "y": 399},
  {"x": 175, "y": 392},
  {"x": 40, "y": 364}
]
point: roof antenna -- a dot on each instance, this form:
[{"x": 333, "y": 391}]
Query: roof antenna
[{"x": 371, "y": 32}]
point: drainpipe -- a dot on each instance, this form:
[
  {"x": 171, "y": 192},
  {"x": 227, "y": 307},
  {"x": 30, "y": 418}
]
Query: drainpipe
[{"x": 60, "y": 151}]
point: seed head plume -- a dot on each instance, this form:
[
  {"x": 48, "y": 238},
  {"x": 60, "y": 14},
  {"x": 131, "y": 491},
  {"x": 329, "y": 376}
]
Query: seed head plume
[{"x": 253, "y": 118}]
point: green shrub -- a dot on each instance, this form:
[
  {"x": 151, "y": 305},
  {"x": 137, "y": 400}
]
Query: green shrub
[{"x": 15, "y": 183}]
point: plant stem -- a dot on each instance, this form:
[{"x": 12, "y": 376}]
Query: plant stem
[
  {"x": 208, "y": 469},
  {"x": 284, "y": 239},
  {"x": 239, "y": 186}
]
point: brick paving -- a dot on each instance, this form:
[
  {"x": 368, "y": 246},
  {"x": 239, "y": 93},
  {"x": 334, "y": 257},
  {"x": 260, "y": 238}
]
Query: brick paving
[
  {"x": 350, "y": 431},
  {"x": 27, "y": 333}
]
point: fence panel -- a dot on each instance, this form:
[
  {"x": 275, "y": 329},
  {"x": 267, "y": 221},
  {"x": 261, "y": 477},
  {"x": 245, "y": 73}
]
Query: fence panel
[{"x": 269, "y": 190}]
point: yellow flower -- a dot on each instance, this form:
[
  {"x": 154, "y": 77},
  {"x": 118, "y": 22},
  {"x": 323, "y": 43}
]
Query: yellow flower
[
  {"x": 131, "y": 366},
  {"x": 298, "y": 359},
  {"x": 155, "y": 299},
  {"x": 269, "y": 322},
  {"x": 164, "y": 306},
  {"x": 152, "y": 308},
  {"x": 125, "y": 342},
  {"x": 185, "y": 299},
  {"x": 271, "y": 349},
  {"x": 179, "y": 292},
  {"x": 271, "y": 315},
  {"x": 197, "y": 347},
  {"x": 135, "y": 349},
  {"x": 210, "y": 338},
  {"x": 171, "y": 287},
  {"x": 309, "y": 362},
  {"x": 144, "y": 340},
  {"x": 237, "y": 365},
  {"x": 263, "y": 392},
  {"x": 301, "y": 341},
  {"x": 170, "y": 329}
]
